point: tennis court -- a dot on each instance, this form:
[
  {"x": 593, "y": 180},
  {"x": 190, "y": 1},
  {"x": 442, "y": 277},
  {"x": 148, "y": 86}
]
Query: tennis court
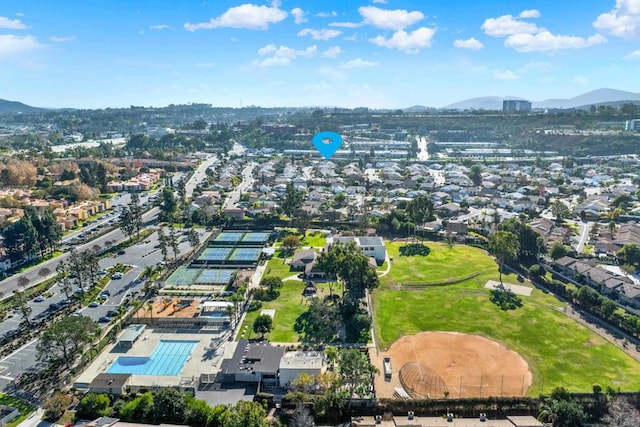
[
  {"x": 215, "y": 254},
  {"x": 183, "y": 276},
  {"x": 260, "y": 238},
  {"x": 229, "y": 237},
  {"x": 245, "y": 254},
  {"x": 215, "y": 276}
]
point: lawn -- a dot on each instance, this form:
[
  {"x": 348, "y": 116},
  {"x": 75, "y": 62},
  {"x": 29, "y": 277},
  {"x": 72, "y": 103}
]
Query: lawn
[
  {"x": 277, "y": 267},
  {"x": 289, "y": 305},
  {"x": 314, "y": 238},
  {"x": 24, "y": 408},
  {"x": 443, "y": 263},
  {"x": 560, "y": 352}
]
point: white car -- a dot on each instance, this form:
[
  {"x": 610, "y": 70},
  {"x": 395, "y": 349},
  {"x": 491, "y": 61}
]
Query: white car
[{"x": 117, "y": 275}]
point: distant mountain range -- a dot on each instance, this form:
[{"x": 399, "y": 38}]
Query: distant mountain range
[
  {"x": 611, "y": 97},
  {"x": 595, "y": 97},
  {"x": 12, "y": 107}
]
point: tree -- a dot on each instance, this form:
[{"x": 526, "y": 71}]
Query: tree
[
  {"x": 351, "y": 266},
  {"x": 126, "y": 223},
  {"x": 168, "y": 206},
  {"x": 21, "y": 304},
  {"x": 173, "y": 241},
  {"x": 420, "y": 210},
  {"x": 621, "y": 413},
  {"x": 55, "y": 405},
  {"x": 273, "y": 283},
  {"x": 163, "y": 241},
  {"x": 65, "y": 339},
  {"x": 355, "y": 371},
  {"x": 292, "y": 201},
  {"x": 66, "y": 284},
  {"x": 558, "y": 250},
  {"x": 476, "y": 174},
  {"x": 94, "y": 405},
  {"x": 243, "y": 414},
  {"x": 560, "y": 210},
  {"x": 262, "y": 325},
  {"x": 169, "y": 406},
  {"x": 331, "y": 352},
  {"x": 630, "y": 254},
  {"x": 504, "y": 246},
  {"x": 193, "y": 238},
  {"x": 290, "y": 243},
  {"x": 302, "y": 416},
  {"x": 562, "y": 413}
]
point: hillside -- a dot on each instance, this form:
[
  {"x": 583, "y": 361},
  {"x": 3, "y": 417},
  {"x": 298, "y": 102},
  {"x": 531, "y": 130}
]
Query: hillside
[{"x": 12, "y": 107}]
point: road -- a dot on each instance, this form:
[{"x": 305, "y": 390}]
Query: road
[
  {"x": 139, "y": 257},
  {"x": 200, "y": 174},
  {"x": 233, "y": 197},
  {"x": 585, "y": 231}
]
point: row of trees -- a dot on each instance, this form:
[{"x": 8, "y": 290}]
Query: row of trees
[
  {"x": 171, "y": 406},
  {"x": 34, "y": 235}
]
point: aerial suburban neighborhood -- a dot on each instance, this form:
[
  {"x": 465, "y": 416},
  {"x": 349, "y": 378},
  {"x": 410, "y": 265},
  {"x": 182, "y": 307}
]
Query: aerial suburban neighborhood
[{"x": 208, "y": 265}]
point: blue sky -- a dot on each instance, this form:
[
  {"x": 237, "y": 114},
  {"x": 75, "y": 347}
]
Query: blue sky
[{"x": 379, "y": 54}]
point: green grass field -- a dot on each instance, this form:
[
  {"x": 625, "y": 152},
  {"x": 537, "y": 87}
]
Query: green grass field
[
  {"x": 560, "y": 352},
  {"x": 289, "y": 305},
  {"x": 442, "y": 263},
  {"x": 24, "y": 408}
]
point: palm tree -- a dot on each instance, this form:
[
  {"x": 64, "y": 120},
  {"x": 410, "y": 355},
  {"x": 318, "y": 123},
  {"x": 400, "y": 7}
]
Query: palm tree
[{"x": 150, "y": 311}]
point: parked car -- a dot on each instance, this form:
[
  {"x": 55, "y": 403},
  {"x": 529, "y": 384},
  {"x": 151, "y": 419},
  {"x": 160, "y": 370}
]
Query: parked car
[
  {"x": 106, "y": 292},
  {"x": 94, "y": 304},
  {"x": 104, "y": 319},
  {"x": 121, "y": 252},
  {"x": 38, "y": 299},
  {"x": 117, "y": 275}
]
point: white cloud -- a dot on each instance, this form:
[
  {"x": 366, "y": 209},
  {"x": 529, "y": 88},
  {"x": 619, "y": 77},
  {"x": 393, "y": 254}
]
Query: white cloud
[
  {"x": 530, "y": 13},
  {"x": 622, "y": 21},
  {"x": 408, "y": 42},
  {"x": 283, "y": 55},
  {"x": 249, "y": 16},
  {"x": 397, "y": 19},
  {"x": 580, "y": 80},
  {"x": 633, "y": 55},
  {"x": 379, "y": 1},
  {"x": 204, "y": 64},
  {"x": 161, "y": 27},
  {"x": 544, "y": 41},
  {"x": 346, "y": 24},
  {"x": 327, "y": 14},
  {"x": 528, "y": 37},
  {"x": 358, "y": 63},
  {"x": 507, "y": 25},
  {"x": 504, "y": 75},
  {"x": 471, "y": 43},
  {"x": 323, "y": 34},
  {"x": 332, "y": 52},
  {"x": 11, "y": 44},
  {"x": 298, "y": 15},
  {"x": 11, "y": 24},
  {"x": 56, "y": 39}
]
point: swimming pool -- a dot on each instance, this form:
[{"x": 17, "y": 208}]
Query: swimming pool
[{"x": 168, "y": 358}]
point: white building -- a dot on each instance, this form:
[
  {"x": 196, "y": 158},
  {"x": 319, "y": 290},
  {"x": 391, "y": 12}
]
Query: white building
[
  {"x": 632, "y": 125},
  {"x": 294, "y": 363},
  {"x": 372, "y": 246}
]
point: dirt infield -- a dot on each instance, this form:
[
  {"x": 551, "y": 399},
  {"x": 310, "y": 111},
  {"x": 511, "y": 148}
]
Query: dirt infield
[{"x": 469, "y": 365}]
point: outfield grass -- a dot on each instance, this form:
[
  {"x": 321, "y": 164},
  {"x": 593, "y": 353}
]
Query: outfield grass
[
  {"x": 560, "y": 352},
  {"x": 443, "y": 263}
]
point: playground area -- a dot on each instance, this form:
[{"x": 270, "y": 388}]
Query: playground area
[{"x": 438, "y": 364}]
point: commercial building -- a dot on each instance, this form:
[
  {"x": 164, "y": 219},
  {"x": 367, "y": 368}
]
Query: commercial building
[{"x": 514, "y": 106}]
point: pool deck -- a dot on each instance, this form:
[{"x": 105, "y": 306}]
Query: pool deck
[{"x": 202, "y": 360}]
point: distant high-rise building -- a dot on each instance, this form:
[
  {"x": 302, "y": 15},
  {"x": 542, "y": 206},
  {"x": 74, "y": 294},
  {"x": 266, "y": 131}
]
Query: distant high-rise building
[
  {"x": 511, "y": 106},
  {"x": 633, "y": 125}
]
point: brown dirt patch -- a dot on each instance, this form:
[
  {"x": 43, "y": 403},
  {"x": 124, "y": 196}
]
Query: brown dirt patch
[{"x": 470, "y": 365}]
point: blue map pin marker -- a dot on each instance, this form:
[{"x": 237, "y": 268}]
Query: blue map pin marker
[{"x": 327, "y": 143}]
